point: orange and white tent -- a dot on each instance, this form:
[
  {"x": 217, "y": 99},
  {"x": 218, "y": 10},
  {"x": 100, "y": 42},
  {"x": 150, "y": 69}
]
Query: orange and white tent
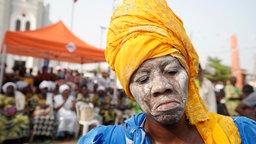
[{"x": 55, "y": 42}]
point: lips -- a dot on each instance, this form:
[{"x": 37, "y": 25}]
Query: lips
[{"x": 167, "y": 105}]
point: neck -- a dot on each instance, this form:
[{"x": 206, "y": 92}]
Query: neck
[{"x": 180, "y": 132}]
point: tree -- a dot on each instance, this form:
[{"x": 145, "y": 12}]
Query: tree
[{"x": 222, "y": 72}]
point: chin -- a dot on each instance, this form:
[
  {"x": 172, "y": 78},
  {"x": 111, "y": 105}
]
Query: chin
[{"x": 169, "y": 117}]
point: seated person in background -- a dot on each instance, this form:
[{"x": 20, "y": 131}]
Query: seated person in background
[
  {"x": 14, "y": 126},
  {"x": 83, "y": 94},
  {"x": 123, "y": 107},
  {"x": 84, "y": 104},
  {"x": 247, "y": 107},
  {"x": 41, "y": 109},
  {"x": 66, "y": 115},
  {"x": 156, "y": 63},
  {"x": 102, "y": 101}
]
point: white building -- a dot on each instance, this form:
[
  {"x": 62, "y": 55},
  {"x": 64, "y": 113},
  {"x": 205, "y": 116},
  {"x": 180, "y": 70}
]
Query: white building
[{"x": 21, "y": 15}]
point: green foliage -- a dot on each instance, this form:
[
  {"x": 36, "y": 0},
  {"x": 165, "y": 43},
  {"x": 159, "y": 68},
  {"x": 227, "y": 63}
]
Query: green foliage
[{"x": 222, "y": 72}]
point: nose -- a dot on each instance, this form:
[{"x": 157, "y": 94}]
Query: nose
[{"x": 161, "y": 85}]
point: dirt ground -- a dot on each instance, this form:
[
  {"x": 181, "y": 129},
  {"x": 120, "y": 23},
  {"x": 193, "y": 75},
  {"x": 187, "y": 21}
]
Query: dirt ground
[{"x": 56, "y": 142}]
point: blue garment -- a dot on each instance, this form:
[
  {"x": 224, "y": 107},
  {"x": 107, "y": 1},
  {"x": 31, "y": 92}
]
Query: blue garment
[
  {"x": 132, "y": 132},
  {"x": 246, "y": 128}
]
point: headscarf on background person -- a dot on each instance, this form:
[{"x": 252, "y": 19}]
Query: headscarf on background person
[
  {"x": 19, "y": 97},
  {"x": 6, "y": 85},
  {"x": 145, "y": 29},
  {"x": 66, "y": 116},
  {"x": 44, "y": 84},
  {"x": 63, "y": 87}
]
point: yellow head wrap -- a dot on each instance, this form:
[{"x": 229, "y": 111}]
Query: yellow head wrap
[{"x": 144, "y": 29}]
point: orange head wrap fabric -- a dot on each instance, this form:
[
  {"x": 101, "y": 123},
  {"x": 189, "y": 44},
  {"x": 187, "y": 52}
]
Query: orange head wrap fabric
[{"x": 144, "y": 29}]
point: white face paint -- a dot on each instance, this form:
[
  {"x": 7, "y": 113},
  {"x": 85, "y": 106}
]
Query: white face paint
[{"x": 160, "y": 86}]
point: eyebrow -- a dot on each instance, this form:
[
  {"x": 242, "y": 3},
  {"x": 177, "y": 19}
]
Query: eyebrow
[
  {"x": 143, "y": 70},
  {"x": 165, "y": 63}
]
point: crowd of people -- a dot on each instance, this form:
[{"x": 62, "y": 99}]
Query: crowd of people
[
  {"x": 226, "y": 98},
  {"x": 44, "y": 107}
]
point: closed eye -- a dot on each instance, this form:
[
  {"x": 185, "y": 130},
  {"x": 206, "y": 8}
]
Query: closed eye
[
  {"x": 142, "y": 80},
  {"x": 172, "y": 72}
]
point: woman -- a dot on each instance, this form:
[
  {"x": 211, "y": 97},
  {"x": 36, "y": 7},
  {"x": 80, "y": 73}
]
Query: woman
[
  {"x": 14, "y": 126},
  {"x": 41, "y": 108},
  {"x": 156, "y": 64},
  {"x": 66, "y": 115}
]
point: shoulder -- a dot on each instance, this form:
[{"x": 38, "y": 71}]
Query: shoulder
[
  {"x": 207, "y": 81},
  {"x": 114, "y": 133},
  {"x": 246, "y": 128},
  {"x": 104, "y": 134},
  {"x": 252, "y": 95},
  {"x": 19, "y": 94},
  {"x": 58, "y": 96}
]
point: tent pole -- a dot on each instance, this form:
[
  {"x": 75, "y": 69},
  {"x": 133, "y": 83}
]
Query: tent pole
[
  {"x": 3, "y": 54},
  {"x": 115, "y": 86},
  {"x": 81, "y": 73}
]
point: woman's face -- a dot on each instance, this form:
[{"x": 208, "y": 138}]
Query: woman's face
[
  {"x": 84, "y": 91},
  {"x": 160, "y": 86},
  {"x": 66, "y": 93},
  {"x": 10, "y": 91}
]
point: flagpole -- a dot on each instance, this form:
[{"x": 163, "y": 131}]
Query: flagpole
[
  {"x": 72, "y": 19},
  {"x": 72, "y": 15}
]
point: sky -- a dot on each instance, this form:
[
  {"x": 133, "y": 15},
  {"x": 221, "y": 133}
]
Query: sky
[{"x": 209, "y": 23}]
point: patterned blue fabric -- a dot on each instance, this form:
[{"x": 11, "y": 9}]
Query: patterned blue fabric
[{"x": 132, "y": 132}]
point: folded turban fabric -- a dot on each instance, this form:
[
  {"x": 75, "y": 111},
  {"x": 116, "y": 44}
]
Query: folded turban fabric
[
  {"x": 144, "y": 29},
  {"x": 6, "y": 85},
  {"x": 63, "y": 87}
]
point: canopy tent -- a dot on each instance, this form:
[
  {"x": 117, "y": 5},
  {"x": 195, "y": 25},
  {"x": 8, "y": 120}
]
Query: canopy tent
[{"x": 55, "y": 42}]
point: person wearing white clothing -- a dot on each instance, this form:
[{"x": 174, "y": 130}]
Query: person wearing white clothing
[
  {"x": 66, "y": 116},
  {"x": 206, "y": 91}
]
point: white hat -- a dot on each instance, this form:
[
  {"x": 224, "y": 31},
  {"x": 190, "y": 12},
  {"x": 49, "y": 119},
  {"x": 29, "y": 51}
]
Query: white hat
[
  {"x": 63, "y": 87},
  {"x": 100, "y": 87},
  {"x": 6, "y": 85},
  {"x": 44, "y": 84}
]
